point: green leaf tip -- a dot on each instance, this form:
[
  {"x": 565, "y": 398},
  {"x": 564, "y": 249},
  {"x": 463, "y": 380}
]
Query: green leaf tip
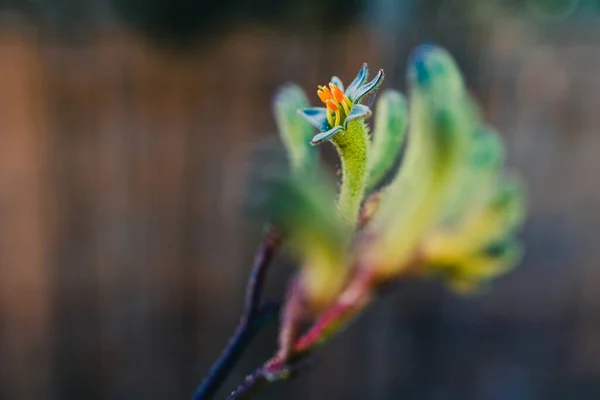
[
  {"x": 294, "y": 131},
  {"x": 391, "y": 121},
  {"x": 433, "y": 68}
]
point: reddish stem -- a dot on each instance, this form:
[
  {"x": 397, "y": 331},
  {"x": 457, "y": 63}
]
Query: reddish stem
[
  {"x": 355, "y": 298},
  {"x": 352, "y": 300}
]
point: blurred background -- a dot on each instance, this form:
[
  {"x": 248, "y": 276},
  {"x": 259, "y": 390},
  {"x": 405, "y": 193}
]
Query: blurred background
[{"x": 127, "y": 128}]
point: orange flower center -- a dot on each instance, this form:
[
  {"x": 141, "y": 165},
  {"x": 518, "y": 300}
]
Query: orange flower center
[{"x": 337, "y": 103}]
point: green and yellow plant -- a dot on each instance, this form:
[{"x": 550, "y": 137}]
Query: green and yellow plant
[{"x": 451, "y": 211}]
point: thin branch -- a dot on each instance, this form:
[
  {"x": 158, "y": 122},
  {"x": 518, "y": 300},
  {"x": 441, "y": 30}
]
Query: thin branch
[
  {"x": 258, "y": 275},
  {"x": 272, "y": 372},
  {"x": 281, "y": 368},
  {"x": 253, "y": 385},
  {"x": 254, "y": 317},
  {"x": 358, "y": 295}
]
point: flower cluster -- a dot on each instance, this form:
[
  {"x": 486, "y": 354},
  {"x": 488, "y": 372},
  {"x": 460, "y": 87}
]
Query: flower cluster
[{"x": 450, "y": 211}]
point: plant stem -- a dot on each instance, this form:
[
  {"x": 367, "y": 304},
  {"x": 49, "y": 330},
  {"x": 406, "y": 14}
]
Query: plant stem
[
  {"x": 253, "y": 384},
  {"x": 358, "y": 295},
  {"x": 353, "y": 300},
  {"x": 352, "y": 147},
  {"x": 253, "y": 318}
]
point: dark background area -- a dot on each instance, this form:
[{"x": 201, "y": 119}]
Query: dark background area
[{"x": 127, "y": 129}]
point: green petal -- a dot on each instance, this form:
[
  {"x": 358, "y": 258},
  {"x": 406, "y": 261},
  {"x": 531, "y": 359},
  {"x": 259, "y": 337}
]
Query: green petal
[
  {"x": 361, "y": 77},
  {"x": 295, "y": 133},
  {"x": 391, "y": 121},
  {"x": 305, "y": 207},
  {"x": 327, "y": 135},
  {"x": 433, "y": 69},
  {"x": 480, "y": 268},
  {"x": 442, "y": 117},
  {"x": 478, "y": 175},
  {"x": 510, "y": 201},
  {"x": 302, "y": 206},
  {"x": 472, "y": 272},
  {"x": 362, "y": 91},
  {"x": 337, "y": 82},
  {"x": 316, "y": 116},
  {"x": 358, "y": 111},
  {"x": 501, "y": 213},
  {"x": 488, "y": 150},
  {"x": 508, "y": 252}
]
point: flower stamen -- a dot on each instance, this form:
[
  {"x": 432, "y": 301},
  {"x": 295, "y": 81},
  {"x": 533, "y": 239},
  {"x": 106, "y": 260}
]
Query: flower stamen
[
  {"x": 338, "y": 104},
  {"x": 340, "y": 97},
  {"x": 333, "y": 106},
  {"x": 330, "y": 113},
  {"x": 324, "y": 93}
]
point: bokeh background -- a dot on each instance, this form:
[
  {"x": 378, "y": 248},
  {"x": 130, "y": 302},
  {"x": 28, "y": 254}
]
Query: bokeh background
[{"x": 127, "y": 129}]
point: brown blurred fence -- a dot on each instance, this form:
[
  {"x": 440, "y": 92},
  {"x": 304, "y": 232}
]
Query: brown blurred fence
[
  {"x": 123, "y": 252},
  {"x": 122, "y": 175}
]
